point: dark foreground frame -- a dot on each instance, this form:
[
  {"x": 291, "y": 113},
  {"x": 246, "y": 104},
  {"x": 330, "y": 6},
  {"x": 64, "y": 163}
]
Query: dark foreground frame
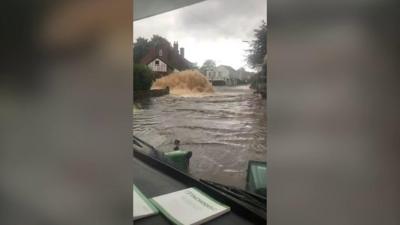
[{"x": 257, "y": 215}]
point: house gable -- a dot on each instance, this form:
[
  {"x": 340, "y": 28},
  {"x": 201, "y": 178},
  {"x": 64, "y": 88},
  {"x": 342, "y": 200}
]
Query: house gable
[
  {"x": 157, "y": 65},
  {"x": 173, "y": 60}
]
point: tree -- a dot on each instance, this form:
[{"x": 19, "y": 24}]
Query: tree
[
  {"x": 158, "y": 41},
  {"x": 140, "y": 49},
  {"x": 142, "y": 78},
  {"x": 208, "y": 65},
  {"x": 255, "y": 59},
  {"x": 142, "y": 46},
  {"x": 258, "y": 47}
]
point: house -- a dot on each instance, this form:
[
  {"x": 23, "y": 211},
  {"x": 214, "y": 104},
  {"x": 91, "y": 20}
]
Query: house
[
  {"x": 222, "y": 75},
  {"x": 211, "y": 74},
  {"x": 228, "y": 74},
  {"x": 164, "y": 59}
]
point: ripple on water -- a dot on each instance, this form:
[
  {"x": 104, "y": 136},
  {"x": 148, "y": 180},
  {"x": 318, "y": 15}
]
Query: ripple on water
[{"x": 223, "y": 130}]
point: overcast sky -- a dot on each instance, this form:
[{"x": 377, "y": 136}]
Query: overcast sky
[{"x": 214, "y": 29}]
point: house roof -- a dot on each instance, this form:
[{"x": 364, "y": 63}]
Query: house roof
[
  {"x": 169, "y": 56},
  {"x": 229, "y": 68}
]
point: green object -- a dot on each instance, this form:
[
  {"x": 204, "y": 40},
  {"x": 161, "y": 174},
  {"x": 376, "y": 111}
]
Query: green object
[
  {"x": 142, "y": 77},
  {"x": 180, "y": 159},
  {"x": 256, "y": 177}
]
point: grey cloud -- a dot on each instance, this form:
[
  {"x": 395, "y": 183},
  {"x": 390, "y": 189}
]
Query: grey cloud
[
  {"x": 227, "y": 18},
  {"x": 208, "y": 21},
  {"x": 211, "y": 19}
]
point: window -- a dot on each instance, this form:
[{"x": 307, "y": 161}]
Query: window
[{"x": 157, "y": 63}]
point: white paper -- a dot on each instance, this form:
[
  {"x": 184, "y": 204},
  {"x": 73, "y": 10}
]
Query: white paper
[
  {"x": 141, "y": 205},
  {"x": 189, "y": 207}
]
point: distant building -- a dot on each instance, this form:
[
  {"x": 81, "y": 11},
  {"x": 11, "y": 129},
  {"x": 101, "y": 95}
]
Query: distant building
[
  {"x": 226, "y": 75},
  {"x": 221, "y": 75},
  {"x": 165, "y": 59},
  {"x": 244, "y": 76},
  {"x": 211, "y": 74}
]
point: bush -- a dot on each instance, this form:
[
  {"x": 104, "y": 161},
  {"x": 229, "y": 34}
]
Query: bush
[{"x": 142, "y": 78}]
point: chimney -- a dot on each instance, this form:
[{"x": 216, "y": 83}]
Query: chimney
[
  {"x": 176, "y": 46},
  {"x": 182, "y": 53}
]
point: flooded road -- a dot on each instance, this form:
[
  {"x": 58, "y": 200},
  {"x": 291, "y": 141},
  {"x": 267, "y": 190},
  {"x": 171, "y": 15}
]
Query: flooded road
[{"x": 224, "y": 130}]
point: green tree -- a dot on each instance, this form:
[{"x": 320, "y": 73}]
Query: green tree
[
  {"x": 142, "y": 78},
  {"x": 158, "y": 41},
  {"x": 140, "y": 48},
  {"x": 258, "y": 47},
  {"x": 255, "y": 59}
]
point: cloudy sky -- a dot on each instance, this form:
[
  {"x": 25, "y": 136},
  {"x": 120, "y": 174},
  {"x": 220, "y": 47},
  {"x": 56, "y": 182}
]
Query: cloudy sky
[{"x": 213, "y": 29}]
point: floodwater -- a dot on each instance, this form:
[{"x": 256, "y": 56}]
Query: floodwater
[{"x": 224, "y": 130}]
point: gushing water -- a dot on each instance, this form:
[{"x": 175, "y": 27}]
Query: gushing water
[{"x": 188, "y": 83}]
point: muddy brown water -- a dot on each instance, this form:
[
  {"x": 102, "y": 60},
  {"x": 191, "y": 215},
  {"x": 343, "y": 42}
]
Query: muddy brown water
[{"x": 224, "y": 130}]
